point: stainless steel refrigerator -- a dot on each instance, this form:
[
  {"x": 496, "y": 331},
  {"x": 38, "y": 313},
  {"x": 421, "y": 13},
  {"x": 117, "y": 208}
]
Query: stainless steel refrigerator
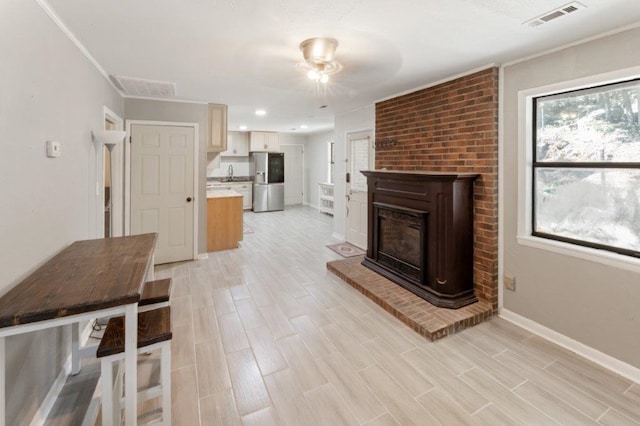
[{"x": 268, "y": 183}]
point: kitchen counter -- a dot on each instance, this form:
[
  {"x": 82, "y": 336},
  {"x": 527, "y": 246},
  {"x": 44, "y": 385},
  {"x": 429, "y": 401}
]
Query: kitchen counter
[
  {"x": 224, "y": 219},
  {"x": 243, "y": 188},
  {"x": 222, "y": 193}
]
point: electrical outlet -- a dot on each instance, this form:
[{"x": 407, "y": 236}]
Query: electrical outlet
[{"x": 510, "y": 282}]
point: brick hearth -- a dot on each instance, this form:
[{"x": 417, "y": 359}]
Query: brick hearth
[{"x": 428, "y": 320}]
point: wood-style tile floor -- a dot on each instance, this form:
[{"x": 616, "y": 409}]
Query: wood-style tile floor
[{"x": 264, "y": 335}]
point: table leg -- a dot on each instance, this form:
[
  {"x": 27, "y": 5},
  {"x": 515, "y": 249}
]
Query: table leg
[
  {"x": 75, "y": 348},
  {"x": 130, "y": 361},
  {"x": 3, "y": 395}
]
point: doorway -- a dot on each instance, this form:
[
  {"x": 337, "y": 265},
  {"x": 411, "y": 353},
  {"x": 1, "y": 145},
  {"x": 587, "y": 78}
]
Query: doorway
[
  {"x": 293, "y": 167},
  {"x": 360, "y": 157},
  {"x": 162, "y": 186}
]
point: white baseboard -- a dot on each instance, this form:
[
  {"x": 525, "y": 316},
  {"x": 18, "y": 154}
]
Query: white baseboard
[
  {"x": 201, "y": 256},
  {"x": 338, "y": 237},
  {"x": 594, "y": 355}
]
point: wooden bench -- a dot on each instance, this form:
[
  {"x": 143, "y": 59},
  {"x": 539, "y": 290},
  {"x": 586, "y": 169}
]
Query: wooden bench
[
  {"x": 155, "y": 294},
  {"x": 154, "y": 332}
]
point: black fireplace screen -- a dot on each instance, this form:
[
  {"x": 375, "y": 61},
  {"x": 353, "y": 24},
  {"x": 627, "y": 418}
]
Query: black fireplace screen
[{"x": 401, "y": 240}]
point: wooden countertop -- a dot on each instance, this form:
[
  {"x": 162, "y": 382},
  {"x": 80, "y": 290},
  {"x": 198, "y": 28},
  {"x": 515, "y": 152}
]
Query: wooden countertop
[
  {"x": 86, "y": 276},
  {"x": 222, "y": 193}
]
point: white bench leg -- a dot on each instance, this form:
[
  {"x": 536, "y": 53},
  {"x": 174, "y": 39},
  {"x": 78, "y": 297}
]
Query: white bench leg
[
  {"x": 3, "y": 393},
  {"x": 75, "y": 348},
  {"x": 106, "y": 372},
  {"x": 165, "y": 382}
]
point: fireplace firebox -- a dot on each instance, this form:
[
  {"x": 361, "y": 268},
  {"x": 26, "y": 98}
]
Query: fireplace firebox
[{"x": 420, "y": 233}]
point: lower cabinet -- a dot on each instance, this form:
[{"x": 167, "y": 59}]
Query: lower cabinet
[
  {"x": 246, "y": 189},
  {"x": 224, "y": 220}
]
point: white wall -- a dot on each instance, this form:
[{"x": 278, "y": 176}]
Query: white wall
[
  {"x": 354, "y": 121},
  {"x": 593, "y": 303},
  {"x": 316, "y": 160},
  {"x": 291, "y": 139},
  {"x": 48, "y": 91}
]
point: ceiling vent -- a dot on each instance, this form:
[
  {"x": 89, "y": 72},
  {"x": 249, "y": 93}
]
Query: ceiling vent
[
  {"x": 145, "y": 88},
  {"x": 554, "y": 14}
]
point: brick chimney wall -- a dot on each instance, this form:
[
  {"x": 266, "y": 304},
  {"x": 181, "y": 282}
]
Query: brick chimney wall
[{"x": 452, "y": 127}]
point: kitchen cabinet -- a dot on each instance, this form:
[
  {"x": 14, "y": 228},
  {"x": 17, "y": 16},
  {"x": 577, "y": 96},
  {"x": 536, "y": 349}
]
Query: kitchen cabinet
[
  {"x": 243, "y": 188},
  {"x": 237, "y": 145},
  {"x": 216, "y": 128},
  {"x": 264, "y": 141},
  {"x": 246, "y": 190},
  {"x": 224, "y": 220}
]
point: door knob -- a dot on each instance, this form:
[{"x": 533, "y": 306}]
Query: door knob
[{"x": 188, "y": 199}]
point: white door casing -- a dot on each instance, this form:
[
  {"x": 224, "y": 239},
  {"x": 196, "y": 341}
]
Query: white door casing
[
  {"x": 163, "y": 187},
  {"x": 359, "y": 157},
  {"x": 117, "y": 179},
  {"x": 293, "y": 177}
]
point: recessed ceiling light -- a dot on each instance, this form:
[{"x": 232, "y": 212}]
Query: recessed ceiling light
[
  {"x": 261, "y": 112},
  {"x": 303, "y": 126},
  {"x": 243, "y": 127}
]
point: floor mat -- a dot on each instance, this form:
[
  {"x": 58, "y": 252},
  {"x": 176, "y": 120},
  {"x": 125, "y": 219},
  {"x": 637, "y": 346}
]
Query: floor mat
[{"x": 346, "y": 249}]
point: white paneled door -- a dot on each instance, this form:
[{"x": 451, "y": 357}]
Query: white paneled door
[
  {"x": 359, "y": 157},
  {"x": 162, "y": 188},
  {"x": 293, "y": 164}
]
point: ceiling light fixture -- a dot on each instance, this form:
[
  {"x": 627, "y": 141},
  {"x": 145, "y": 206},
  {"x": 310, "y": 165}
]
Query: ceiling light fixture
[
  {"x": 318, "y": 53},
  {"x": 243, "y": 127},
  {"x": 261, "y": 112}
]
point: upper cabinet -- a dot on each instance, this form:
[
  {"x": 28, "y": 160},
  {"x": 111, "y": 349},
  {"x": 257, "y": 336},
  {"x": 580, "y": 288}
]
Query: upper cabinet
[
  {"x": 264, "y": 141},
  {"x": 216, "y": 128},
  {"x": 237, "y": 145}
]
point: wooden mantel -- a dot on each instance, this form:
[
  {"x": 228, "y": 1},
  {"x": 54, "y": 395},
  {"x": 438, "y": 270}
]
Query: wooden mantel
[{"x": 420, "y": 233}]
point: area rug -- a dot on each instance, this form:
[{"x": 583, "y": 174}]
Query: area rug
[
  {"x": 246, "y": 229},
  {"x": 346, "y": 249}
]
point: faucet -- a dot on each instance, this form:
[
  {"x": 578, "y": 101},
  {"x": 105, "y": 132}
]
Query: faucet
[{"x": 230, "y": 172}]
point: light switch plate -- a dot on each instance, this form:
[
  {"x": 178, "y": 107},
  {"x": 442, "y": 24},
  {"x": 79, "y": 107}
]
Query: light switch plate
[{"x": 53, "y": 149}]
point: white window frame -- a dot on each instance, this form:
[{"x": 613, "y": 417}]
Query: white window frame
[{"x": 525, "y": 160}]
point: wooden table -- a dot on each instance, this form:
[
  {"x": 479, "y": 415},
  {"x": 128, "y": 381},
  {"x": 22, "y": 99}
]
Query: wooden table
[{"x": 88, "y": 279}]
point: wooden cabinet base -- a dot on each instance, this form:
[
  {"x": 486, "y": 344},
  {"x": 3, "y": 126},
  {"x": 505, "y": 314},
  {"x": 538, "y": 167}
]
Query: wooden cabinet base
[{"x": 224, "y": 222}]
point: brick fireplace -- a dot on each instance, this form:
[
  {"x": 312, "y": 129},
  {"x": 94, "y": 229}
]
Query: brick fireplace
[{"x": 452, "y": 128}]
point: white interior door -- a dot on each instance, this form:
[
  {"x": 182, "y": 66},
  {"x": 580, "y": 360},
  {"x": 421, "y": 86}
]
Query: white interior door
[
  {"x": 162, "y": 188},
  {"x": 293, "y": 165},
  {"x": 359, "y": 157}
]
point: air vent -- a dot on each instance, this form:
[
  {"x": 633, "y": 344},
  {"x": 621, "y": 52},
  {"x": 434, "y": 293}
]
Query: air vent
[
  {"x": 133, "y": 86},
  {"x": 554, "y": 14}
]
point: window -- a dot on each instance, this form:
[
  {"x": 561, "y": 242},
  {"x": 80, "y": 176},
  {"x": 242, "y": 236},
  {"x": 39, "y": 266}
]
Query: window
[{"x": 586, "y": 167}]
